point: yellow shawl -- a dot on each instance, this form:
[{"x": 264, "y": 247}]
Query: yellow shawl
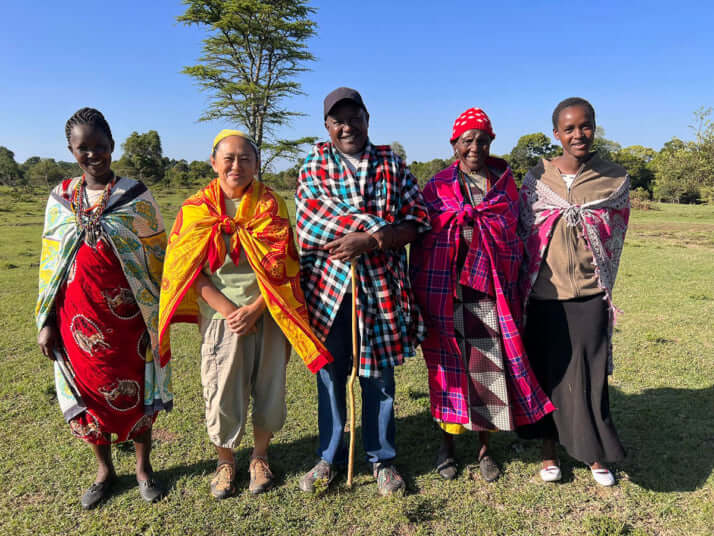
[{"x": 261, "y": 229}]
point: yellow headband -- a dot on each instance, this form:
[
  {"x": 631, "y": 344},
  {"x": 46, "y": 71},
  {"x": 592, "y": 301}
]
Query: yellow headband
[{"x": 226, "y": 132}]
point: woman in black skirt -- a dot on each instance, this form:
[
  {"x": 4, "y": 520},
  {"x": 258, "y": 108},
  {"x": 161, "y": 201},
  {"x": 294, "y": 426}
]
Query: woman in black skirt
[{"x": 574, "y": 213}]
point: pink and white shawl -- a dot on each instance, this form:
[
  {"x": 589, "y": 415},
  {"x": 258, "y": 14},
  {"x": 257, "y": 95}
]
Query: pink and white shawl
[{"x": 603, "y": 224}]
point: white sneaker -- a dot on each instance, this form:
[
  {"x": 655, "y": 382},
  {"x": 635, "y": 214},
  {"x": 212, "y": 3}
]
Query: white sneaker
[
  {"x": 550, "y": 473},
  {"x": 603, "y": 477}
]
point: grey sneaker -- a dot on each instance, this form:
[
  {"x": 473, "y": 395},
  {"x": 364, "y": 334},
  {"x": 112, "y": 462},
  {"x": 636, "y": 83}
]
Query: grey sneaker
[
  {"x": 389, "y": 480},
  {"x": 320, "y": 475}
]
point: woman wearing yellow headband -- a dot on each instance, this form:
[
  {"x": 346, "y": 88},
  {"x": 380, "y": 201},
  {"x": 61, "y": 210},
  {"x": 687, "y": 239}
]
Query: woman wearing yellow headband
[{"x": 230, "y": 261}]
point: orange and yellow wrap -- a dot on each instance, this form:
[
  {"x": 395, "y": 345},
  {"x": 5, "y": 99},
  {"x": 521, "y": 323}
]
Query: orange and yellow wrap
[{"x": 260, "y": 230}]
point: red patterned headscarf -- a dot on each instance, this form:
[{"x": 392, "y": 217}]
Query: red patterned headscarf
[{"x": 472, "y": 118}]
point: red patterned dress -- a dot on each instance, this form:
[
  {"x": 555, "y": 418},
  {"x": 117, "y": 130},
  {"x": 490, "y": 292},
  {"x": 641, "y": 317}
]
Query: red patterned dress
[{"x": 106, "y": 340}]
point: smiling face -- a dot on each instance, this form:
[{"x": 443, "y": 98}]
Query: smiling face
[
  {"x": 347, "y": 125},
  {"x": 472, "y": 149},
  {"x": 92, "y": 149},
  {"x": 236, "y": 164},
  {"x": 576, "y": 131}
]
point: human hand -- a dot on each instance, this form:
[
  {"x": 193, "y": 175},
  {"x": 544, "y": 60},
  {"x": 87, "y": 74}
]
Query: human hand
[
  {"x": 350, "y": 246},
  {"x": 242, "y": 320},
  {"x": 385, "y": 237},
  {"x": 47, "y": 339}
]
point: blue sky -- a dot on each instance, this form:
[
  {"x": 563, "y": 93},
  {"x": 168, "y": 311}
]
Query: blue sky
[{"x": 645, "y": 66}]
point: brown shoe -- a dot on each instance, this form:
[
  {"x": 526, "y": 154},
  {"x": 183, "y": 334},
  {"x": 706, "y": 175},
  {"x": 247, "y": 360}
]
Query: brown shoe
[
  {"x": 261, "y": 478},
  {"x": 223, "y": 485}
]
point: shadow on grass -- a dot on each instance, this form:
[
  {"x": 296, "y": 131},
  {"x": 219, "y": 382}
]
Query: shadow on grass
[
  {"x": 286, "y": 459},
  {"x": 669, "y": 436},
  {"x": 417, "y": 443}
]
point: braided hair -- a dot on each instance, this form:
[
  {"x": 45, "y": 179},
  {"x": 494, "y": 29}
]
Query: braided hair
[
  {"x": 91, "y": 117},
  {"x": 572, "y": 101}
]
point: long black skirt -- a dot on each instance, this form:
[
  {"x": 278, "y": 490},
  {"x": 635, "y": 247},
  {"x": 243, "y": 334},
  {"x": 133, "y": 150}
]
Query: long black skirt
[{"x": 566, "y": 342}]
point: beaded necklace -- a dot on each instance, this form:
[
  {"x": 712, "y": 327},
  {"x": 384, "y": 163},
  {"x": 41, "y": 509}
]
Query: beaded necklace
[{"x": 86, "y": 219}]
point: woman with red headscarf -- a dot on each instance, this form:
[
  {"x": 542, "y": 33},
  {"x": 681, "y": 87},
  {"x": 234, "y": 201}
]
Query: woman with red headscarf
[{"x": 465, "y": 276}]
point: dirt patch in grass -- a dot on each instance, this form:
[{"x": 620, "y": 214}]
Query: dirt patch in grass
[
  {"x": 163, "y": 435},
  {"x": 684, "y": 234},
  {"x": 32, "y": 499}
]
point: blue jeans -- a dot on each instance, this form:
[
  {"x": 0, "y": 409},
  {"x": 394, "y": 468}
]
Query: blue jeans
[{"x": 377, "y": 399}]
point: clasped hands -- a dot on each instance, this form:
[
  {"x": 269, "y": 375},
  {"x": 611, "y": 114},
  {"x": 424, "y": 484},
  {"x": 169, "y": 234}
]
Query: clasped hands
[
  {"x": 242, "y": 320},
  {"x": 352, "y": 245}
]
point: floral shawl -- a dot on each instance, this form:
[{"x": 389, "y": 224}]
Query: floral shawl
[
  {"x": 491, "y": 267},
  {"x": 133, "y": 226},
  {"x": 603, "y": 224},
  {"x": 261, "y": 230}
]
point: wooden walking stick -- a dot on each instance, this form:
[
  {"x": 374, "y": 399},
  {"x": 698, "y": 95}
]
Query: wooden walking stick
[{"x": 353, "y": 375}]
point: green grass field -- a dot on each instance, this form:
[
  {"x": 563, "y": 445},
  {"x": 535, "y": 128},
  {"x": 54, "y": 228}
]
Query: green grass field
[{"x": 662, "y": 398}]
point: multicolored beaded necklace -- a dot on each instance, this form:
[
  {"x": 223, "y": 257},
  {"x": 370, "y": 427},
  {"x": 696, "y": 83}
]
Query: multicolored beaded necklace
[{"x": 87, "y": 219}]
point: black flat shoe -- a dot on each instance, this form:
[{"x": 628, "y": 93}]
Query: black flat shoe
[
  {"x": 96, "y": 493},
  {"x": 150, "y": 490},
  {"x": 489, "y": 470},
  {"x": 446, "y": 465},
  {"x": 447, "y": 469}
]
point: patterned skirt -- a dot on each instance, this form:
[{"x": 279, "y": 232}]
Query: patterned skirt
[
  {"x": 478, "y": 337},
  {"x": 105, "y": 339},
  {"x": 479, "y": 340}
]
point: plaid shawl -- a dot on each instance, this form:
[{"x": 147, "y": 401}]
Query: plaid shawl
[
  {"x": 331, "y": 202},
  {"x": 132, "y": 223},
  {"x": 491, "y": 266},
  {"x": 261, "y": 231},
  {"x": 604, "y": 225}
]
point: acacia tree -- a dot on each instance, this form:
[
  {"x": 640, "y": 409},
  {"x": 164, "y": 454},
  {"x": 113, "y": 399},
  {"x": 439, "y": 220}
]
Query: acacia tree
[{"x": 254, "y": 50}]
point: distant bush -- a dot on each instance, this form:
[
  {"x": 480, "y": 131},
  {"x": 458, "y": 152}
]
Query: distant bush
[
  {"x": 640, "y": 199},
  {"x": 706, "y": 195}
]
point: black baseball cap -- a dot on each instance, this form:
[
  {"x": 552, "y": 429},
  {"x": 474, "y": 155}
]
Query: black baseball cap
[{"x": 340, "y": 94}]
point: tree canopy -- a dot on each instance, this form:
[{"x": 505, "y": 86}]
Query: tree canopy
[
  {"x": 10, "y": 174},
  {"x": 603, "y": 146},
  {"x": 142, "y": 158},
  {"x": 528, "y": 151},
  {"x": 251, "y": 57},
  {"x": 684, "y": 171},
  {"x": 637, "y": 160},
  {"x": 399, "y": 150}
]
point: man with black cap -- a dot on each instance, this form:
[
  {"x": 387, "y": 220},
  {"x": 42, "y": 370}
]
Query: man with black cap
[{"x": 357, "y": 202}]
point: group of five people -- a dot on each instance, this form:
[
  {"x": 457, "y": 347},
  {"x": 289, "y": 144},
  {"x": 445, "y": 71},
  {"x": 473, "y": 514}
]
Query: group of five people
[{"x": 510, "y": 296}]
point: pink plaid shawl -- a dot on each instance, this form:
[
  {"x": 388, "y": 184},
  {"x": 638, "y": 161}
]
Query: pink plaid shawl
[
  {"x": 491, "y": 266},
  {"x": 604, "y": 225}
]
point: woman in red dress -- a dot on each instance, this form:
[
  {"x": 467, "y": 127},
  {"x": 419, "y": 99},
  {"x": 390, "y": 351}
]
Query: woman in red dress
[{"x": 98, "y": 308}]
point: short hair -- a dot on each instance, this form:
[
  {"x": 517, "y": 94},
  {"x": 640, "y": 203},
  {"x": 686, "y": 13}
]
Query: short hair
[
  {"x": 91, "y": 117},
  {"x": 567, "y": 103}
]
